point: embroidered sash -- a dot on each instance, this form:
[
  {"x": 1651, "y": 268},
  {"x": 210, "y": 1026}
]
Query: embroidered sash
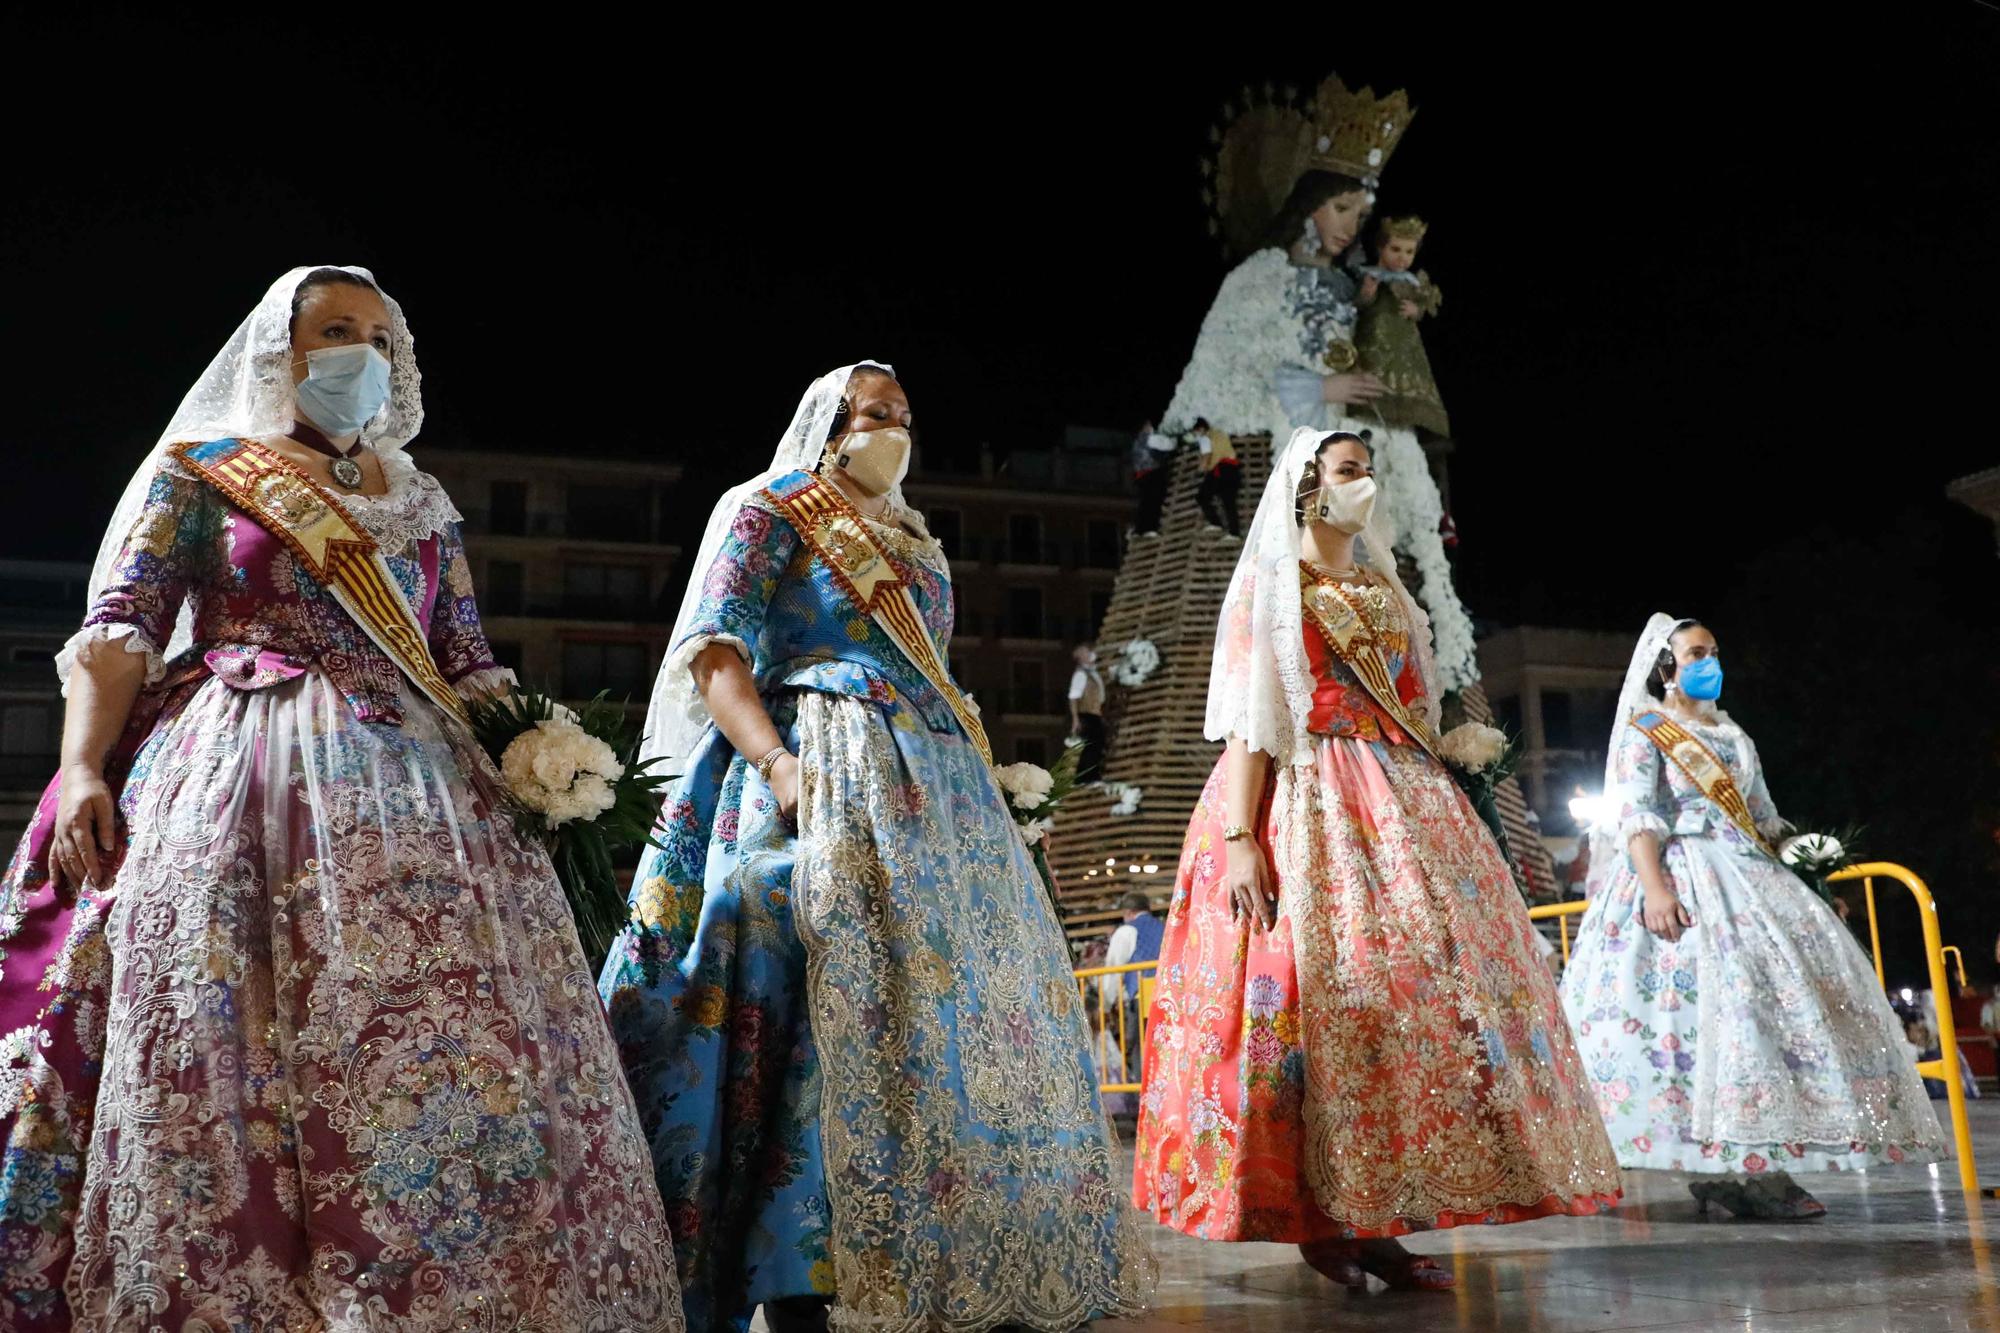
[
  {"x": 1686, "y": 752},
  {"x": 333, "y": 548},
  {"x": 840, "y": 537},
  {"x": 1358, "y": 643}
]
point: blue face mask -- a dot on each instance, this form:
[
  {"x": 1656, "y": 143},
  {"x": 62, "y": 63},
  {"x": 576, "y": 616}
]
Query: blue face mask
[
  {"x": 1701, "y": 678},
  {"x": 344, "y": 387}
]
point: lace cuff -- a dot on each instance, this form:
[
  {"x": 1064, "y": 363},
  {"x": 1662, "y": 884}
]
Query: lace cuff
[
  {"x": 83, "y": 644},
  {"x": 1642, "y": 821},
  {"x": 681, "y": 660},
  {"x": 485, "y": 682}
]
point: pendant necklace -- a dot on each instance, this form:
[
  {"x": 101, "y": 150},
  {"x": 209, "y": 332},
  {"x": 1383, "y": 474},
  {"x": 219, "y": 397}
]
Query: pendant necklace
[{"x": 345, "y": 471}]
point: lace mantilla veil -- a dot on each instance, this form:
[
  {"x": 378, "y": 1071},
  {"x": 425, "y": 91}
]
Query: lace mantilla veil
[
  {"x": 247, "y": 391},
  {"x": 1605, "y": 850},
  {"x": 1265, "y": 697},
  {"x": 677, "y": 717}
]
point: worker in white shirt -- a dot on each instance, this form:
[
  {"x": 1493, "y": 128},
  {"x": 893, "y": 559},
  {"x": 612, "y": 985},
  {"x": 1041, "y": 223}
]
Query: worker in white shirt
[
  {"x": 1136, "y": 941},
  {"x": 1086, "y": 712}
]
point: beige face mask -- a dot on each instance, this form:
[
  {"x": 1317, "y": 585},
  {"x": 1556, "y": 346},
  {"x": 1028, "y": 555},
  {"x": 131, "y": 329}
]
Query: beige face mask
[
  {"x": 875, "y": 460},
  {"x": 1347, "y": 506}
]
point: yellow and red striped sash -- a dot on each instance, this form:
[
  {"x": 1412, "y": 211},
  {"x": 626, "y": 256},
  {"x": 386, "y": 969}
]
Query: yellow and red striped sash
[
  {"x": 1358, "y": 643},
  {"x": 839, "y": 536},
  {"x": 334, "y": 549},
  {"x": 1685, "y": 751}
]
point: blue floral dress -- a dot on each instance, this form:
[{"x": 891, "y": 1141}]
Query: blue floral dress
[
  {"x": 1758, "y": 1041},
  {"x": 857, "y": 1047}
]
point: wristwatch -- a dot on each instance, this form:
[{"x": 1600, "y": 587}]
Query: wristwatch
[{"x": 1235, "y": 833}]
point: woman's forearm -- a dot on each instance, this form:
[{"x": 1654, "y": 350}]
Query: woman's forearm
[
  {"x": 730, "y": 692},
  {"x": 102, "y": 688},
  {"x": 1645, "y": 849},
  {"x": 1245, "y": 772}
]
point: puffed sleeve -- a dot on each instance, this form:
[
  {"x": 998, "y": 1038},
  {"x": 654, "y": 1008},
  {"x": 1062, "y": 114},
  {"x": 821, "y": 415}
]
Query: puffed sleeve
[
  {"x": 171, "y": 546},
  {"x": 457, "y": 639},
  {"x": 737, "y": 588},
  {"x": 1639, "y": 792}
]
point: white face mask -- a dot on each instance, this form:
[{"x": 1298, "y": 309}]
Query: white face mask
[
  {"x": 1347, "y": 506},
  {"x": 875, "y": 460},
  {"x": 344, "y": 387}
]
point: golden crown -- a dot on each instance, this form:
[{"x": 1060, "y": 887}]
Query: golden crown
[
  {"x": 1354, "y": 132},
  {"x": 1403, "y": 229},
  {"x": 1265, "y": 143}
]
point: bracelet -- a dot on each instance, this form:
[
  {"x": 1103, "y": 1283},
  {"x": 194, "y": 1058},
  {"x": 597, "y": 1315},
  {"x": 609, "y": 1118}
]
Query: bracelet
[
  {"x": 770, "y": 761},
  {"x": 1235, "y": 833}
]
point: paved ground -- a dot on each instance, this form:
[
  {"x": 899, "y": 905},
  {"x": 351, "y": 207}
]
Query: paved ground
[{"x": 1898, "y": 1252}]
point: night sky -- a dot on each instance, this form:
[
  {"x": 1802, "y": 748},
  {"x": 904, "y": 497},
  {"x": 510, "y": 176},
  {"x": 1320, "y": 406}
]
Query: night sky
[{"x": 1719, "y": 299}]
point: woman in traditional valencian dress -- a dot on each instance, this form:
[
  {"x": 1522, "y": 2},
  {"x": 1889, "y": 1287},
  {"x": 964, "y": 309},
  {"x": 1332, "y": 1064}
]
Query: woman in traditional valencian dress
[
  {"x": 298, "y": 1033},
  {"x": 1731, "y": 1025},
  {"x": 844, "y": 1002},
  {"x": 1354, "y": 1034}
]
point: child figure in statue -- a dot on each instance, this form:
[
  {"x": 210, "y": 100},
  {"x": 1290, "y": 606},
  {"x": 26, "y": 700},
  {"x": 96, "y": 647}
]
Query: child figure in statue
[{"x": 1394, "y": 296}]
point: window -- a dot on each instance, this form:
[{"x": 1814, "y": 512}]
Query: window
[
  {"x": 617, "y": 667},
  {"x": 1507, "y": 715},
  {"x": 1558, "y": 726},
  {"x": 510, "y": 508},
  {"x": 28, "y": 729},
  {"x": 605, "y": 592},
  {"x": 506, "y": 653},
  {"x": 1024, "y": 613},
  {"x": 1101, "y": 549},
  {"x": 502, "y": 595},
  {"x": 1024, "y": 679},
  {"x": 1024, "y": 539},
  {"x": 611, "y": 513},
  {"x": 30, "y": 654},
  {"x": 947, "y": 527},
  {"x": 1031, "y": 750},
  {"x": 1100, "y": 607}
]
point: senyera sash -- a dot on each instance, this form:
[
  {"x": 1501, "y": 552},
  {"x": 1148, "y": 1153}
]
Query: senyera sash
[
  {"x": 1686, "y": 752},
  {"x": 838, "y": 535},
  {"x": 1356, "y": 642},
  {"x": 334, "y": 549}
]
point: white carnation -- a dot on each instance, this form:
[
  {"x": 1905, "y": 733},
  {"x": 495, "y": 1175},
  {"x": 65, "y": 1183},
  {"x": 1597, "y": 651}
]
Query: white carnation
[
  {"x": 1811, "y": 849},
  {"x": 1473, "y": 746},
  {"x": 1027, "y": 785},
  {"x": 561, "y": 771},
  {"x": 1125, "y": 798},
  {"x": 1035, "y": 830}
]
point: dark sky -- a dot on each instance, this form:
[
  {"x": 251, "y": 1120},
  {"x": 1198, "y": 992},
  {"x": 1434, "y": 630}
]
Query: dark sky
[
  {"x": 1720, "y": 292},
  {"x": 1749, "y": 270}
]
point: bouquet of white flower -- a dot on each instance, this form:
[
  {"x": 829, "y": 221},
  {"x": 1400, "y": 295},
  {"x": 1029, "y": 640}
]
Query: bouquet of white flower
[
  {"x": 1480, "y": 758},
  {"x": 1815, "y": 856},
  {"x": 578, "y": 790},
  {"x": 1034, "y": 794},
  {"x": 1136, "y": 663}
]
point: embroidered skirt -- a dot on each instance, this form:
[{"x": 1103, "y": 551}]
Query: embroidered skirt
[{"x": 1392, "y": 1056}]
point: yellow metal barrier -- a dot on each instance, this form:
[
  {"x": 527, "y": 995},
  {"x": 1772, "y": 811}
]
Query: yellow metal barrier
[
  {"x": 1945, "y": 1067},
  {"x": 1560, "y": 913},
  {"x": 1123, "y": 1041},
  {"x": 1957, "y": 963}
]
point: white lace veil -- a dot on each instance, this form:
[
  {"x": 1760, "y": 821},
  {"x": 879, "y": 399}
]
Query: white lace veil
[
  {"x": 1266, "y": 697},
  {"x": 1632, "y": 699},
  {"x": 677, "y": 717},
  {"x": 247, "y": 391}
]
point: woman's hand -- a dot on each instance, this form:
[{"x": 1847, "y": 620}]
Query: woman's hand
[
  {"x": 85, "y": 833},
  {"x": 785, "y": 787},
  {"x": 1352, "y": 389},
  {"x": 1664, "y": 915},
  {"x": 1252, "y": 897}
]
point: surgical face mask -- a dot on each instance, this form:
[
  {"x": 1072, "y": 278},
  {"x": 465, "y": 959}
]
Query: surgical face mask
[
  {"x": 875, "y": 460},
  {"x": 1346, "y": 506},
  {"x": 344, "y": 387},
  {"x": 1700, "y": 679}
]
